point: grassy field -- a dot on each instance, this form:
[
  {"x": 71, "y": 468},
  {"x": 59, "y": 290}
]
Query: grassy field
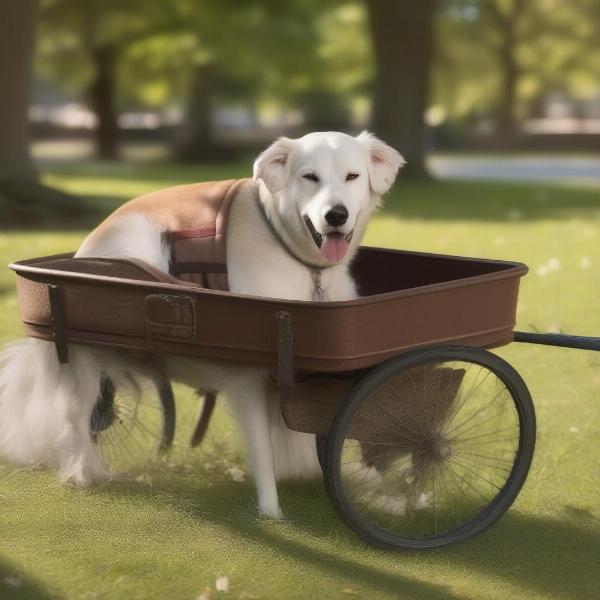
[{"x": 171, "y": 533}]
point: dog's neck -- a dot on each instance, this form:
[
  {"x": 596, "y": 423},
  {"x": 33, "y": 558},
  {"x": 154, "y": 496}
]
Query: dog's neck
[{"x": 279, "y": 232}]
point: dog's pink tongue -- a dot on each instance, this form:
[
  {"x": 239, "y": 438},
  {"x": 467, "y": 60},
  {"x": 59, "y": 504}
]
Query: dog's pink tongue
[{"x": 334, "y": 247}]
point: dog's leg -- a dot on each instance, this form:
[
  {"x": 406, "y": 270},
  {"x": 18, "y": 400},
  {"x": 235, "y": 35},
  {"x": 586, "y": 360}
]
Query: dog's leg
[
  {"x": 248, "y": 399},
  {"x": 79, "y": 462},
  {"x": 295, "y": 452}
]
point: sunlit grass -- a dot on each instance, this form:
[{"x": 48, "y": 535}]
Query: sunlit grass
[{"x": 173, "y": 533}]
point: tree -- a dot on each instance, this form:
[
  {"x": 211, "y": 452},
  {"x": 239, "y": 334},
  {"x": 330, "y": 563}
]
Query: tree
[
  {"x": 264, "y": 50},
  {"x": 402, "y": 38},
  {"x": 507, "y": 20},
  {"x": 193, "y": 52},
  {"x": 17, "y": 28},
  {"x": 497, "y": 57},
  {"x": 99, "y": 32}
]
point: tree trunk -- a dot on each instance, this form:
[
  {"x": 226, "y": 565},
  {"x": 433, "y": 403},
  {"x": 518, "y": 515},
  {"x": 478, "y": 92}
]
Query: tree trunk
[
  {"x": 102, "y": 95},
  {"x": 402, "y": 38},
  {"x": 506, "y": 126},
  {"x": 198, "y": 140},
  {"x": 17, "y": 34},
  {"x": 510, "y": 70}
]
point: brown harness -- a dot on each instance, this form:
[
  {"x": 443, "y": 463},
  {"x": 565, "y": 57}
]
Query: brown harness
[{"x": 199, "y": 251}]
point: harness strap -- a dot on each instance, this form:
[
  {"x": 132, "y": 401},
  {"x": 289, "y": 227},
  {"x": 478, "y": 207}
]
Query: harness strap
[{"x": 199, "y": 254}]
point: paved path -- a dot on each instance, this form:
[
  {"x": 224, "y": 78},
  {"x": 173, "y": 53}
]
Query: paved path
[{"x": 518, "y": 168}]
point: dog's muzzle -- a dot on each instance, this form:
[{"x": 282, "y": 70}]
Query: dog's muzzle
[{"x": 333, "y": 246}]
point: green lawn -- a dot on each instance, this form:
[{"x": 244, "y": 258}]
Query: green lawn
[{"x": 171, "y": 534}]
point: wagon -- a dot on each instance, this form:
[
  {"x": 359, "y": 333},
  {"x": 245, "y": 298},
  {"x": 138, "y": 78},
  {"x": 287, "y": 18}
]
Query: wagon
[{"x": 424, "y": 436}]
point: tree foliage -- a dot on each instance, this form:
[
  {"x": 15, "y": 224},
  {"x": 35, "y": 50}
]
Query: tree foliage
[
  {"x": 496, "y": 57},
  {"x": 493, "y": 58}
]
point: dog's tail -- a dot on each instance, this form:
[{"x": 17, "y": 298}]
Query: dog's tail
[{"x": 46, "y": 407}]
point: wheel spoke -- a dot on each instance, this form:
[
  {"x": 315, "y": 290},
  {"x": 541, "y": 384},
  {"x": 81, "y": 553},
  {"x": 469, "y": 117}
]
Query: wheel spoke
[{"x": 131, "y": 440}]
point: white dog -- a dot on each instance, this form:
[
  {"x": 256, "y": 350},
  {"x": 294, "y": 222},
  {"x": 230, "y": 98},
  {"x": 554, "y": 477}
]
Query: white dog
[{"x": 318, "y": 193}]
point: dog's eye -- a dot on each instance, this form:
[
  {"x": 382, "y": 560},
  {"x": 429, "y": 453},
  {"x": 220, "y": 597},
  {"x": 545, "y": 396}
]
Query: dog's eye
[
  {"x": 311, "y": 177},
  {"x": 351, "y": 176}
]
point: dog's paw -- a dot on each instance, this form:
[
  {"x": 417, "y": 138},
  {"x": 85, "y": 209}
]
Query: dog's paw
[
  {"x": 76, "y": 475},
  {"x": 79, "y": 481},
  {"x": 273, "y": 513}
]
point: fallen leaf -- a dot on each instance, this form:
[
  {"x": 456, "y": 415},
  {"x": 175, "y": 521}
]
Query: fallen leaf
[
  {"x": 144, "y": 478},
  {"x": 585, "y": 262},
  {"x": 205, "y": 595},
  {"x": 222, "y": 584},
  {"x": 236, "y": 474},
  {"x": 554, "y": 264}
]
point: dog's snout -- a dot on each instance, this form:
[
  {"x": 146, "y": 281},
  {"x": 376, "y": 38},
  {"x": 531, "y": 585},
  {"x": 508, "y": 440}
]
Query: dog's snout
[{"x": 337, "y": 215}]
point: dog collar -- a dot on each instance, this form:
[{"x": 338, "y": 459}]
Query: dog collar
[{"x": 319, "y": 294}]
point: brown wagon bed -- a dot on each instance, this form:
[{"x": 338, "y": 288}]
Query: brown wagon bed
[
  {"x": 397, "y": 385},
  {"x": 408, "y": 299}
]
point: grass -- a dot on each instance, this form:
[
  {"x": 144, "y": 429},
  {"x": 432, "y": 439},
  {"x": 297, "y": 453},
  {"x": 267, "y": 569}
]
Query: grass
[{"x": 172, "y": 533}]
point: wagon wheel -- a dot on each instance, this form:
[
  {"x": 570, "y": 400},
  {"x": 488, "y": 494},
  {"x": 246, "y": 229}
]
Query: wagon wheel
[
  {"x": 130, "y": 425},
  {"x": 430, "y": 447},
  {"x": 321, "y": 442}
]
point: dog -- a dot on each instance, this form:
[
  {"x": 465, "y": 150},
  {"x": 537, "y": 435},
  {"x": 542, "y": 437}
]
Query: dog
[{"x": 305, "y": 211}]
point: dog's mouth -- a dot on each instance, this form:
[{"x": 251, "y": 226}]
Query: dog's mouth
[{"x": 333, "y": 246}]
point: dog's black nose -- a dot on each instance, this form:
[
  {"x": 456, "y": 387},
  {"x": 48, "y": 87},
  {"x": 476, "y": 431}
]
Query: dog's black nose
[{"x": 337, "y": 215}]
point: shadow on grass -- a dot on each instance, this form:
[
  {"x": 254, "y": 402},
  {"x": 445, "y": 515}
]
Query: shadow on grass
[
  {"x": 84, "y": 212},
  {"x": 16, "y": 586},
  {"x": 431, "y": 200},
  {"x": 159, "y": 171},
  {"x": 542, "y": 555},
  {"x": 548, "y": 556},
  {"x": 443, "y": 200},
  {"x": 231, "y": 506}
]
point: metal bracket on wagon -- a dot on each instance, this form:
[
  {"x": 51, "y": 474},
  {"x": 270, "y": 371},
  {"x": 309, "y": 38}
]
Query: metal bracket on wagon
[
  {"x": 57, "y": 314},
  {"x": 285, "y": 364}
]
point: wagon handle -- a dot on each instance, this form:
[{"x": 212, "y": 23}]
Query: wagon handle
[{"x": 561, "y": 340}]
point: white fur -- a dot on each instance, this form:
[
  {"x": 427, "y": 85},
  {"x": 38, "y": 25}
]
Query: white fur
[
  {"x": 45, "y": 407},
  {"x": 131, "y": 236}
]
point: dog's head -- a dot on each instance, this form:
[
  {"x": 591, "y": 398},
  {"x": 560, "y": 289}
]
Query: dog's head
[{"x": 322, "y": 189}]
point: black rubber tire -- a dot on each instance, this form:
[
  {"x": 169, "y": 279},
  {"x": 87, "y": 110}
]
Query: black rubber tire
[
  {"x": 321, "y": 442},
  {"x": 500, "y": 504}
]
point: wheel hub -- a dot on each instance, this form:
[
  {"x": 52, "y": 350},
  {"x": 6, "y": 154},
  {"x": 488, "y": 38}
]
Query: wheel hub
[{"x": 442, "y": 450}]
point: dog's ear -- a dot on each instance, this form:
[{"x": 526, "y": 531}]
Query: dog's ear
[
  {"x": 273, "y": 165},
  {"x": 383, "y": 162}
]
